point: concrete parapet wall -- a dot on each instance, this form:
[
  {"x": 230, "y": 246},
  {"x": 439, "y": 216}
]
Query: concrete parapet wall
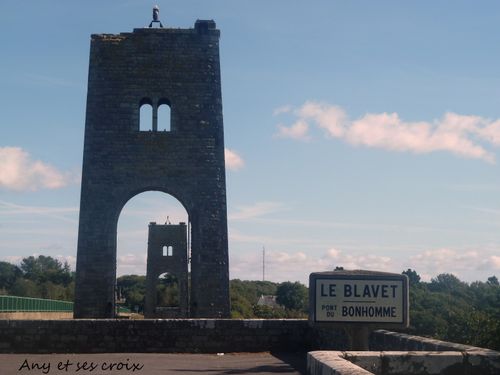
[
  {"x": 387, "y": 340},
  {"x": 403, "y": 363},
  {"x": 398, "y": 353},
  {"x": 332, "y": 363}
]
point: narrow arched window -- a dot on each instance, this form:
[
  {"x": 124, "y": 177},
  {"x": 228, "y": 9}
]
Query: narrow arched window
[
  {"x": 145, "y": 115},
  {"x": 168, "y": 251},
  {"x": 164, "y": 115}
]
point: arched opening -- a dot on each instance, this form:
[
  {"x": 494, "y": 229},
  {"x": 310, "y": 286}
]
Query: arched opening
[
  {"x": 145, "y": 115},
  {"x": 167, "y": 291},
  {"x": 164, "y": 115},
  {"x": 168, "y": 251},
  {"x": 132, "y": 244}
]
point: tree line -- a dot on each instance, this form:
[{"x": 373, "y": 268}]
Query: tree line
[
  {"x": 291, "y": 298},
  {"x": 38, "y": 277},
  {"x": 445, "y": 308},
  {"x": 449, "y": 309}
]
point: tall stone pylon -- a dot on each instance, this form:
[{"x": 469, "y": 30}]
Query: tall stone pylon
[{"x": 154, "y": 67}]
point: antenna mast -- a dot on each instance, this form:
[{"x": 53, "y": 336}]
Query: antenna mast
[{"x": 263, "y": 263}]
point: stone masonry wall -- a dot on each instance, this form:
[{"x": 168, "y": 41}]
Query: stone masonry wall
[
  {"x": 199, "y": 336},
  {"x": 154, "y": 336}
]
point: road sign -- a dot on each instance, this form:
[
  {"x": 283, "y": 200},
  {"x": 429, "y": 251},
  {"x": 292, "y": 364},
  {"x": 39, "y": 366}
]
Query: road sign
[{"x": 359, "y": 297}]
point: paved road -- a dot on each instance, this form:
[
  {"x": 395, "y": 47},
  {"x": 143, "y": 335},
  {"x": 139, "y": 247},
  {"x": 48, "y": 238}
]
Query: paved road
[{"x": 152, "y": 364}]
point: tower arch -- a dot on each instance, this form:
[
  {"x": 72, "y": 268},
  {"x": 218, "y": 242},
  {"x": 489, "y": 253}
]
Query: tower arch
[{"x": 133, "y": 223}]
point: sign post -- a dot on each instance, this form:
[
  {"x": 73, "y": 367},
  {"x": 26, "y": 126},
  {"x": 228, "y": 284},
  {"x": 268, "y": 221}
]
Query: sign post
[{"x": 358, "y": 301}]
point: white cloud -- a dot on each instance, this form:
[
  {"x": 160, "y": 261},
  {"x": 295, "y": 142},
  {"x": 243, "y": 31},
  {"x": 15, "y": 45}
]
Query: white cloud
[
  {"x": 234, "y": 161},
  {"x": 330, "y": 118},
  {"x": 332, "y": 253},
  {"x": 256, "y": 210},
  {"x": 14, "y": 259},
  {"x": 296, "y": 266},
  {"x": 495, "y": 261},
  {"x": 131, "y": 264},
  {"x": 491, "y": 132},
  {"x": 18, "y": 171},
  {"x": 474, "y": 187},
  {"x": 299, "y": 131},
  {"x": 491, "y": 211},
  {"x": 61, "y": 213},
  {"x": 334, "y": 257},
  {"x": 131, "y": 260},
  {"x": 71, "y": 260},
  {"x": 457, "y": 262},
  {"x": 283, "y": 109},
  {"x": 472, "y": 137}
]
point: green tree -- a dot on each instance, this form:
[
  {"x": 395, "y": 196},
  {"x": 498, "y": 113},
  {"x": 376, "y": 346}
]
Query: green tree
[
  {"x": 244, "y": 296},
  {"x": 25, "y": 288},
  {"x": 240, "y": 307},
  {"x": 167, "y": 291},
  {"x": 452, "y": 310},
  {"x": 9, "y": 273},
  {"x": 252, "y": 290},
  {"x": 293, "y": 296},
  {"x": 493, "y": 280},
  {"x": 267, "y": 312},
  {"x": 413, "y": 276},
  {"x": 446, "y": 282},
  {"x": 38, "y": 277},
  {"x": 133, "y": 289},
  {"x": 51, "y": 290},
  {"x": 45, "y": 268}
]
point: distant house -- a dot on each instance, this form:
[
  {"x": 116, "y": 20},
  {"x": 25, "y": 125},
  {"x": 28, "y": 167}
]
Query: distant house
[{"x": 269, "y": 301}]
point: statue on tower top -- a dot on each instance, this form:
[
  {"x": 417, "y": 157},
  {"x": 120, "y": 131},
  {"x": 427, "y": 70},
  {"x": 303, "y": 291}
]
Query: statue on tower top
[{"x": 156, "y": 16}]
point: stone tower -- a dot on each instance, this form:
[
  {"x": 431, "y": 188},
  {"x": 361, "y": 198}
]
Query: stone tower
[
  {"x": 157, "y": 66},
  {"x": 167, "y": 253}
]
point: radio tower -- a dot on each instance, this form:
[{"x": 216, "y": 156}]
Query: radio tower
[{"x": 263, "y": 263}]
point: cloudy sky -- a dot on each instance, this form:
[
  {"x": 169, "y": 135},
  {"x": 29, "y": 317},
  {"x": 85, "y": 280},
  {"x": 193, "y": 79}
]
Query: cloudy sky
[{"x": 362, "y": 134}]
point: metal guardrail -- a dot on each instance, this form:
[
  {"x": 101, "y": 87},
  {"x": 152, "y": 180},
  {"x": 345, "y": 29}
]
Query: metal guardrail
[
  {"x": 13, "y": 304},
  {"x": 124, "y": 310},
  {"x": 20, "y": 304}
]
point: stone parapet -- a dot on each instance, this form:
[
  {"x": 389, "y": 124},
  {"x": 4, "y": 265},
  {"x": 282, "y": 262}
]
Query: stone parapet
[
  {"x": 241, "y": 335},
  {"x": 154, "y": 336}
]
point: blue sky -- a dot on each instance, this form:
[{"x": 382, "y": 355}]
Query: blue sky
[{"x": 360, "y": 134}]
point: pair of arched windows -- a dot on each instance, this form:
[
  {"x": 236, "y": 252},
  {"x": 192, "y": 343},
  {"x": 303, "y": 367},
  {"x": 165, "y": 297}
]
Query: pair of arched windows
[
  {"x": 154, "y": 117},
  {"x": 168, "y": 251}
]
